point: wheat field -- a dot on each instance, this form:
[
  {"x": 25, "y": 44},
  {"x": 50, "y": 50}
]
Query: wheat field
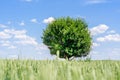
[{"x": 59, "y": 70}]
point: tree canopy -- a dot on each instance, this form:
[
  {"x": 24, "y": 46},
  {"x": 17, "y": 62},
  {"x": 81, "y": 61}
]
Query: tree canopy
[{"x": 69, "y": 36}]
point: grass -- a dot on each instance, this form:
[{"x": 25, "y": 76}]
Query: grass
[{"x": 59, "y": 70}]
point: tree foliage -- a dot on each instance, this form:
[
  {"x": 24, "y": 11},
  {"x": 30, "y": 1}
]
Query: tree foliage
[{"x": 68, "y": 35}]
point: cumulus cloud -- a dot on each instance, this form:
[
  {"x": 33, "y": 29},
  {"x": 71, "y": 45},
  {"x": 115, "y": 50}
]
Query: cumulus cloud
[
  {"x": 4, "y": 35},
  {"x": 2, "y": 26},
  {"x": 111, "y": 37},
  {"x": 25, "y": 40},
  {"x": 34, "y": 20},
  {"x": 14, "y": 32},
  {"x": 22, "y": 23},
  {"x": 99, "y": 29},
  {"x": 48, "y": 20},
  {"x": 11, "y": 37},
  {"x": 14, "y": 39},
  {"x": 6, "y": 43},
  {"x": 95, "y": 44}
]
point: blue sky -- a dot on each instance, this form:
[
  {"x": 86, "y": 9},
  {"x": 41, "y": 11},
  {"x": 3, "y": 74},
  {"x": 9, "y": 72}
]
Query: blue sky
[{"x": 22, "y": 23}]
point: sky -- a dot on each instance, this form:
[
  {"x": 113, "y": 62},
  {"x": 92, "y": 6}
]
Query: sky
[{"x": 22, "y": 23}]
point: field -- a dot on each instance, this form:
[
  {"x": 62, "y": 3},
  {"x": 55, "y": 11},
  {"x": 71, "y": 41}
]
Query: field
[{"x": 59, "y": 70}]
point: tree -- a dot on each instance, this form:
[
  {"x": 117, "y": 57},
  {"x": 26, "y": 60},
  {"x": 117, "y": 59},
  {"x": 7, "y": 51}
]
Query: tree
[{"x": 69, "y": 36}]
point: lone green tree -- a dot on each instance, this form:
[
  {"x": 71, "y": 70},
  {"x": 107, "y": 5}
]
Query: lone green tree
[{"x": 69, "y": 36}]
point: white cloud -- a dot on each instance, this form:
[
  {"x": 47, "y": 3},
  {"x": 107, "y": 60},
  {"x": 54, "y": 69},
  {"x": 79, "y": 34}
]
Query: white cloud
[
  {"x": 111, "y": 32},
  {"x": 42, "y": 47},
  {"x": 25, "y": 40},
  {"x": 113, "y": 37},
  {"x": 116, "y": 50},
  {"x": 4, "y": 35},
  {"x": 5, "y": 43},
  {"x": 111, "y": 54},
  {"x": 12, "y": 47},
  {"x": 99, "y": 29},
  {"x": 48, "y": 20},
  {"x": 95, "y": 44},
  {"x": 11, "y": 37},
  {"x": 2, "y": 26},
  {"x": 14, "y": 32},
  {"x": 101, "y": 39},
  {"x": 95, "y": 1},
  {"x": 28, "y": 0},
  {"x": 21, "y": 36},
  {"x": 20, "y": 40},
  {"x": 22, "y": 23},
  {"x": 34, "y": 20}
]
